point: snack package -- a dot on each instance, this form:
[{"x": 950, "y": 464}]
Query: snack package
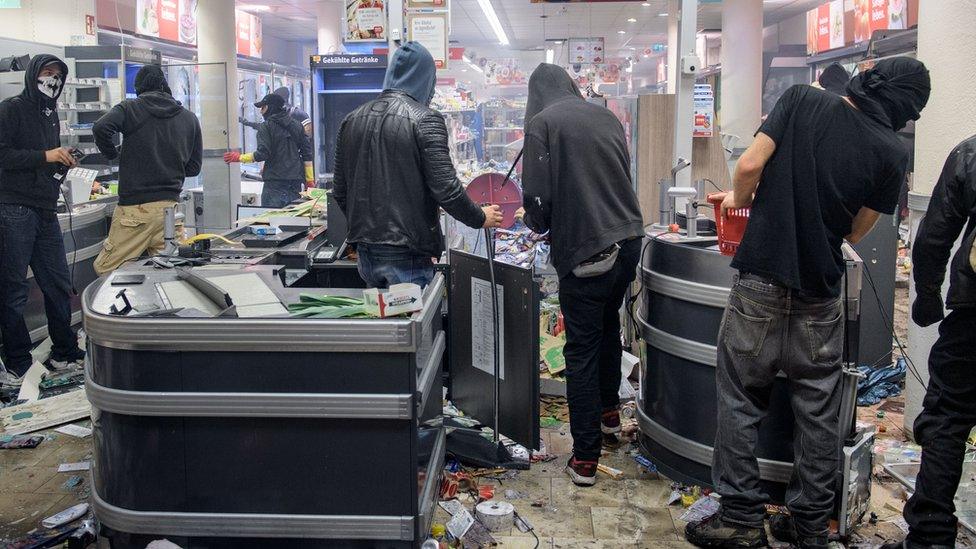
[{"x": 397, "y": 300}]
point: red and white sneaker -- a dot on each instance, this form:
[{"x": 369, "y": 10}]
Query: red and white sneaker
[
  {"x": 582, "y": 473},
  {"x": 610, "y": 421}
]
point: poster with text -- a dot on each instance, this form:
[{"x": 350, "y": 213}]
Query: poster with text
[
  {"x": 430, "y": 29},
  {"x": 365, "y": 21},
  {"x": 250, "y": 38},
  {"x": 173, "y": 20}
]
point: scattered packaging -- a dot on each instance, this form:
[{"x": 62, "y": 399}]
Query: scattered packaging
[
  {"x": 75, "y": 430},
  {"x": 16, "y": 443},
  {"x": 64, "y": 517},
  {"x": 397, "y": 300},
  {"x": 70, "y": 467},
  {"x": 700, "y": 510}
]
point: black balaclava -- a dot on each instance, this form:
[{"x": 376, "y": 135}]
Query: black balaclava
[
  {"x": 547, "y": 85},
  {"x": 284, "y": 92},
  {"x": 150, "y": 78},
  {"x": 893, "y": 92},
  {"x": 834, "y": 79},
  {"x": 32, "y": 81}
]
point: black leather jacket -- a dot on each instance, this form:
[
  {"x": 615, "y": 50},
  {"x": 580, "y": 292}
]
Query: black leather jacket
[
  {"x": 951, "y": 209},
  {"x": 392, "y": 170}
]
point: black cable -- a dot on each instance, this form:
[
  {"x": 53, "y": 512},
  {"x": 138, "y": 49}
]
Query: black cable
[
  {"x": 717, "y": 188},
  {"x": 531, "y": 529},
  {"x": 884, "y": 318},
  {"x": 74, "y": 243}
]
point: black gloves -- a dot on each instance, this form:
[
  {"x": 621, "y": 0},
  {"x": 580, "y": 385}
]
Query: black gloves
[{"x": 928, "y": 309}]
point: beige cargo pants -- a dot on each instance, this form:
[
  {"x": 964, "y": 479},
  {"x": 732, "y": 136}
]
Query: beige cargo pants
[{"x": 136, "y": 231}]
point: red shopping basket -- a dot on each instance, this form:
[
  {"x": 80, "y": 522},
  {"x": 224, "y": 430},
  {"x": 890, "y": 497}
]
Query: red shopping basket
[{"x": 730, "y": 228}]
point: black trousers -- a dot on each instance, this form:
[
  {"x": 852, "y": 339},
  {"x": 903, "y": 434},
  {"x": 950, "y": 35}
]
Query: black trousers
[
  {"x": 591, "y": 310},
  {"x": 948, "y": 415}
]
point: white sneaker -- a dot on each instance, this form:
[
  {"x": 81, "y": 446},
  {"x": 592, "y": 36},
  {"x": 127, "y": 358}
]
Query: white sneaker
[
  {"x": 63, "y": 366},
  {"x": 10, "y": 379}
]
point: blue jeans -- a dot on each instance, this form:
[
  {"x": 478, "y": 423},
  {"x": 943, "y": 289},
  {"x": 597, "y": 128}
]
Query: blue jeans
[
  {"x": 382, "y": 266},
  {"x": 278, "y": 194},
  {"x": 32, "y": 238}
]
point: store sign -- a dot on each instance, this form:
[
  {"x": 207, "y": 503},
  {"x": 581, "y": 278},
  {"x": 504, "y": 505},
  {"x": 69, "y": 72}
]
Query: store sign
[
  {"x": 431, "y": 30},
  {"x": 365, "y": 21},
  {"x": 587, "y": 51},
  {"x": 173, "y": 20},
  {"x": 843, "y": 23},
  {"x": 250, "y": 39},
  {"x": 351, "y": 61},
  {"x": 90, "y": 25}
]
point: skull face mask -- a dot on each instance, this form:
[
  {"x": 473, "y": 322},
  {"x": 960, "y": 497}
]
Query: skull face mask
[{"x": 49, "y": 85}]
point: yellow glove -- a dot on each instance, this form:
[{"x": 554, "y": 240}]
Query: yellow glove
[
  {"x": 309, "y": 177},
  {"x": 247, "y": 158}
]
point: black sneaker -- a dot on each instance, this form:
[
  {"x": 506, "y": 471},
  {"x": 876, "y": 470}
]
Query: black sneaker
[
  {"x": 68, "y": 363},
  {"x": 715, "y": 532},
  {"x": 582, "y": 473},
  {"x": 782, "y": 528},
  {"x": 610, "y": 421}
]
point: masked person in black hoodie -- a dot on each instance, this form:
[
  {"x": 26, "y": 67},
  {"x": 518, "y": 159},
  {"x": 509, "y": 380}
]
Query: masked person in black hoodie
[
  {"x": 293, "y": 111},
  {"x": 822, "y": 169},
  {"x": 161, "y": 146},
  {"x": 286, "y": 152},
  {"x": 393, "y": 169},
  {"x": 30, "y": 234},
  {"x": 577, "y": 185}
]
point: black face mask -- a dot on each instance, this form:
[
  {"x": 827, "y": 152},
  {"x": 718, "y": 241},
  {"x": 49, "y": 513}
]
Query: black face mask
[{"x": 893, "y": 92}]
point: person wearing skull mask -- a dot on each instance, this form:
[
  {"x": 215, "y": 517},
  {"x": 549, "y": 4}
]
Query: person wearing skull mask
[
  {"x": 285, "y": 150},
  {"x": 30, "y": 235},
  {"x": 822, "y": 169}
]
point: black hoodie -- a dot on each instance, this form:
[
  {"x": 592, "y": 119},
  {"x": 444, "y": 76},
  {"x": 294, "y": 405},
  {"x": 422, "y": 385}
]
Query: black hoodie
[
  {"x": 576, "y": 171},
  {"x": 161, "y": 146},
  {"x": 29, "y": 126}
]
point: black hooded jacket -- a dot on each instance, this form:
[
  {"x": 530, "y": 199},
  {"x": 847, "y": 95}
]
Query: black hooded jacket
[
  {"x": 283, "y": 147},
  {"x": 952, "y": 210},
  {"x": 393, "y": 167},
  {"x": 576, "y": 171},
  {"x": 29, "y": 126},
  {"x": 161, "y": 146}
]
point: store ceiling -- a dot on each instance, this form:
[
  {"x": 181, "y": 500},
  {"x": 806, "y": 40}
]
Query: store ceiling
[{"x": 530, "y": 25}]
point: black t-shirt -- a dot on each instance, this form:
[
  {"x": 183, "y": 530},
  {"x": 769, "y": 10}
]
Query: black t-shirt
[{"x": 830, "y": 160}]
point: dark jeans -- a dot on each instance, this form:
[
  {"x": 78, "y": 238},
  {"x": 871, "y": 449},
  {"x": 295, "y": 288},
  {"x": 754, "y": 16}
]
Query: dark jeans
[
  {"x": 382, "y": 266},
  {"x": 32, "y": 238},
  {"x": 278, "y": 193},
  {"x": 767, "y": 329},
  {"x": 591, "y": 310},
  {"x": 948, "y": 415}
]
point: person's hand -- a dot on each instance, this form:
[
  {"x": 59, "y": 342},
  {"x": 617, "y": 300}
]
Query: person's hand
[
  {"x": 733, "y": 202},
  {"x": 520, "y": 213},
  {"x": 309, "y": 184},
  {"x": 493, "y": 216},
  {"x": 232, "y": 156},
  {"x": 60, "y": 155},
  {"x": 927, "y": 309}
]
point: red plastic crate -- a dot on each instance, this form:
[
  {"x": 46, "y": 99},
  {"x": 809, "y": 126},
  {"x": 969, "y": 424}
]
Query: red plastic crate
[{"x": 731, "y": 228}]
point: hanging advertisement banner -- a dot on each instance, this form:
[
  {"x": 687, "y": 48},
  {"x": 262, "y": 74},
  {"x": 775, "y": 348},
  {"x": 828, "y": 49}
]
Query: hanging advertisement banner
[
  {"x": 173, "y": 20},
  {"x": 431, "y": 30},
  {"x": 842, "y": 23},
  {"x": 587, "y": 51},
  {"x": 365, "y": 21},
  {"x": 250, "y": 38}
]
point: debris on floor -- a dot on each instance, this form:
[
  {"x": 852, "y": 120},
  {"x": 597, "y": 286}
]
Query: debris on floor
[
  {"x": 880, "y": 383},
  {"x": 8, "y": 442}
]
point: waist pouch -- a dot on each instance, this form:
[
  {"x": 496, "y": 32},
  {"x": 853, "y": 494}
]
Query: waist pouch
[{"x": 599, "y": 264}]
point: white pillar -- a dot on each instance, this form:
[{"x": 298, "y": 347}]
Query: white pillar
[
  {"x": 947, "y": 119},
  {"x": 672, "y": 53},
  {"x": 217, "y": 53},
  {"x": 330, "y": 15},
  {"x": 741, "y": 95}
]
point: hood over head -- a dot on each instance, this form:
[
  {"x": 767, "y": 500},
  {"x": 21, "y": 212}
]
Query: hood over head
[
  {"x": 893, "y": 92},
  {"x": 549, "y": 84},
  {"x": 413, "y": 72},
  {"x": 151, "y": 78},
  {"x": 284, "y": 93},
  {"x": 31, "y": 90},
  {"x": 834, "y": 79}
]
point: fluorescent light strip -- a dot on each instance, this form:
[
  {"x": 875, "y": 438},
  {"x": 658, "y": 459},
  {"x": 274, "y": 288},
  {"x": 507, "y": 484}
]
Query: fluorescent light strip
[
  {"x": 550, "y": 55},
  {"x": 496, "y": 25}
]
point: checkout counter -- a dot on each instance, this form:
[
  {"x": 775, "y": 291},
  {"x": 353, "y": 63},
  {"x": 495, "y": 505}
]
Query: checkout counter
[{"x": 220, "y": 420}]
